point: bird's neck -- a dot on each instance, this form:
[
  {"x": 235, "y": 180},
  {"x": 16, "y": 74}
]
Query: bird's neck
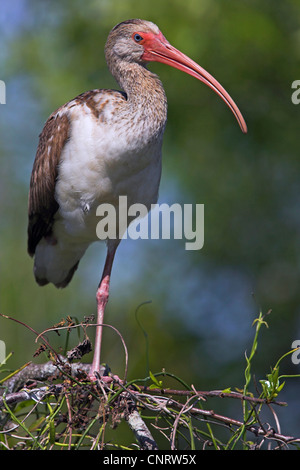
[{"x": 144, "y": 90}]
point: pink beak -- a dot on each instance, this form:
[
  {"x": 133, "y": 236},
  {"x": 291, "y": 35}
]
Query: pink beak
[{"x": 160, "y": 50}]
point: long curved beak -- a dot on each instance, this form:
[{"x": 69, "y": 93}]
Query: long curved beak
[{"x": 160, "y": 50}]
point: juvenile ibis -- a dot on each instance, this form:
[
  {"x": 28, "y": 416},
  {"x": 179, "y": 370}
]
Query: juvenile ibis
[{"x": 97, "y": 147}]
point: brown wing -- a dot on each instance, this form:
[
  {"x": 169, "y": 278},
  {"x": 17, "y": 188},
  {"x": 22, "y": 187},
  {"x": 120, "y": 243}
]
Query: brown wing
[{"x": 42, "y": 205}]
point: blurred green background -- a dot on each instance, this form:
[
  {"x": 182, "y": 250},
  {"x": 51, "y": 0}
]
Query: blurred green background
[{"x": 203, "y": 303}]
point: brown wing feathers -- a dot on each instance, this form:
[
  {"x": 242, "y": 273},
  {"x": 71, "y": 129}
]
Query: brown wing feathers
[{"x": 42, "y": 205}]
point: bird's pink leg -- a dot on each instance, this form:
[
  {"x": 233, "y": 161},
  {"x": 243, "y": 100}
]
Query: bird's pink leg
[{"x": 102, "y": 299}]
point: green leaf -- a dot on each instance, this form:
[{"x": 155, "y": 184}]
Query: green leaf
[{"x": 156, "y": 383}]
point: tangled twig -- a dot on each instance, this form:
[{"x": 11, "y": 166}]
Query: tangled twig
[{"x": 78, "y": 404}]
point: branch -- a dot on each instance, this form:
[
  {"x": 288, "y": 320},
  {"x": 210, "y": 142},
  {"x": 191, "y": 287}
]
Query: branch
[
  {"x": 139, "y": 428},
  {"x": 42, "y": 372},
  {"x": 50, "y": 370},
  {"x": 165, "y": 404},
  {"x": 158, "y": 400},
  {"x": 211, "y": 393}
]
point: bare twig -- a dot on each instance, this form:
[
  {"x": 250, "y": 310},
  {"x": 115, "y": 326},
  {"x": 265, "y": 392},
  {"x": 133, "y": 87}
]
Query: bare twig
[
  {"x": 85, "y": 326},
  {"x": 211, "y": 393}
]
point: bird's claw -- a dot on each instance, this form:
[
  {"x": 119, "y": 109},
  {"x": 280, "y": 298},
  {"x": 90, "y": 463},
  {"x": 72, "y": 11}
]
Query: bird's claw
[{"x": 106, "y": 379}]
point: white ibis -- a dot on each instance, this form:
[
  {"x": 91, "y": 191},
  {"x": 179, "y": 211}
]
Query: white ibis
[{"x": 101, "y": 145}]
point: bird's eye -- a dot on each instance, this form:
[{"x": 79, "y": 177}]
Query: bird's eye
[{"x": 137, "y": 37}]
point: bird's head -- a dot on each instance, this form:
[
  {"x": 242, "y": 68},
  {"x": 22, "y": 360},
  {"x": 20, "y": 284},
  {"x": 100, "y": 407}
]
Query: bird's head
[
  {"x": 141, "y": 42},
  {"x": 128, "y": 40}
]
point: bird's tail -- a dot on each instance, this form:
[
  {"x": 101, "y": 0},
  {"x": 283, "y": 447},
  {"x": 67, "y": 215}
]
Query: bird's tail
[{"x": 56, "y": 263}]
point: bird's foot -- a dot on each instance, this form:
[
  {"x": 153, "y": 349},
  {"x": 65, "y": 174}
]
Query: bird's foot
[
  {"x": 112, "y": 378},
  {"x": 107, "y": 379}
]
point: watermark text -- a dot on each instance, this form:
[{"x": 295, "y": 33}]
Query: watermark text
[
  {"x": 296, "y": 94},
  {"x": 162, "y": 222},
  {"x": 296, "y": 354},
  {"x": 2, "y": 92},
  {"x": 2, "y": 352}
]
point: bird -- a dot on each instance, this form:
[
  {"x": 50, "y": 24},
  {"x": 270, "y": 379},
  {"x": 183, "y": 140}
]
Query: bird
[{"x": 103, "y": 144}]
